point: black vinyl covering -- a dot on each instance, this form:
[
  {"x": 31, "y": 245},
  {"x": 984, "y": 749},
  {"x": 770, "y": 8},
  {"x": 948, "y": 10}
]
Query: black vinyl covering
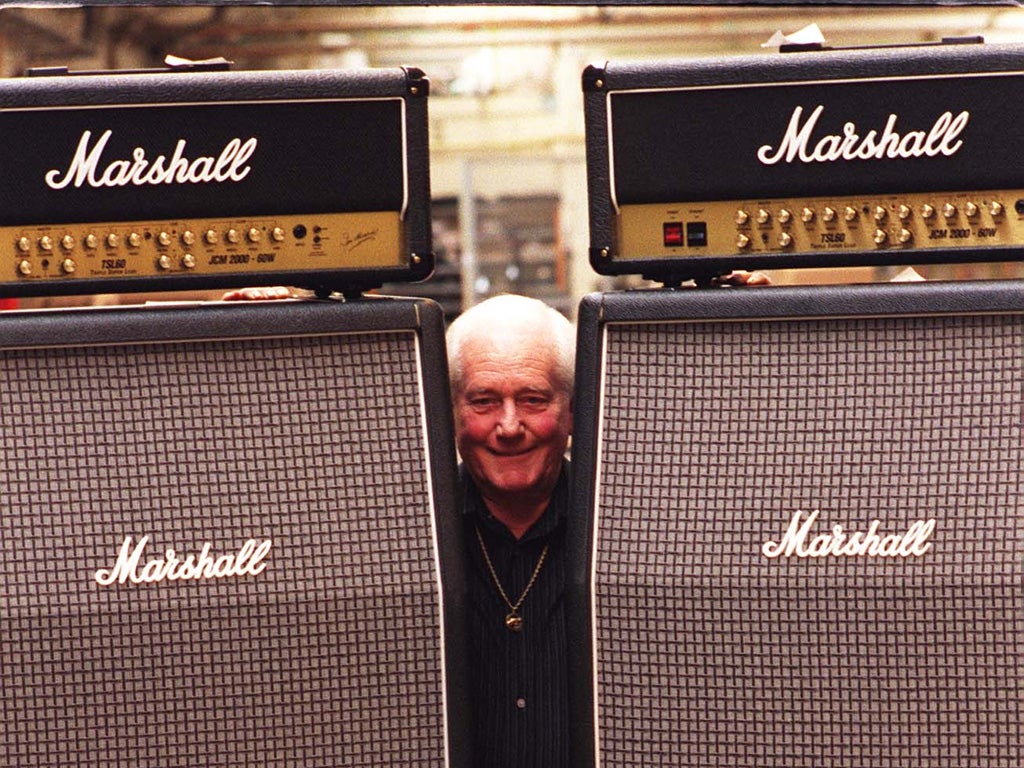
[
  {"x": 702, "y": 418},
  {"x": 691, "y": 130},
  {"x": 323, "y": 427},
  {"x": 330, "y": 141}
]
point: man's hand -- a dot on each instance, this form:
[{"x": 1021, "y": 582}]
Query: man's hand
[
  {"x": 270, "y": 293},
  {"x": 740, "y": 278}
]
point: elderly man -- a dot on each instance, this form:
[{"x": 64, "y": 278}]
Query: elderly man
[{"x": 511, "y": 361}]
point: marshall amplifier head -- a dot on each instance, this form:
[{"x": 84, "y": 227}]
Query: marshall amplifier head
[
  {"x": 811, "y": 158},
  {"x": 798, "y": 528},
  {"x": 164, "y": 180},
  {"x": 228, "y": 537}
]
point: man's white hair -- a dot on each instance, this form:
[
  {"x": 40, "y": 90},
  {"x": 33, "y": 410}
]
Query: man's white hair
[{"x": 501, "y": 314}]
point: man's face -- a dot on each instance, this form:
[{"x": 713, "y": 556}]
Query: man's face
[{"x": 512, "y": 419}]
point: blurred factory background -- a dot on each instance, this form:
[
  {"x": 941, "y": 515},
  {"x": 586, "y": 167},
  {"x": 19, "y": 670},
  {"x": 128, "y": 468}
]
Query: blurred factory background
[{"x": 507, "y": 152}]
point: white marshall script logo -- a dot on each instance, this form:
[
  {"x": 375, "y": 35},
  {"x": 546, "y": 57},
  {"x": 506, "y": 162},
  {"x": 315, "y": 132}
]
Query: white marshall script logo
[
  {"x": 229, "y": 165},
  {"x": 798, "y": 541},
  {"x": 250, "y": 560},
  {"x": 941, "y": 139}
]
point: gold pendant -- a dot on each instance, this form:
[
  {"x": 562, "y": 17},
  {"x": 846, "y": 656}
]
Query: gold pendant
[{"x": 514, "y": 622}]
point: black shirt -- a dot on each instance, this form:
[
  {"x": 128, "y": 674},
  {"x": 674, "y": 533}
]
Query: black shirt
[{"x": 519, "y": 679}]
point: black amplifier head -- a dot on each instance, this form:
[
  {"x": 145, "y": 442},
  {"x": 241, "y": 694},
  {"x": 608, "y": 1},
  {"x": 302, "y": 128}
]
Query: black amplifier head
[
  {"x": 165, "y": 180},
  {"x": 898, "y": 155}
]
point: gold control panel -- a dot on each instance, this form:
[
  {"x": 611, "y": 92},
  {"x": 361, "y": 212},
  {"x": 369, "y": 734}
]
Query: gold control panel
[
  {"x": 210, "y": 247},
  {"x": 910, "y": 222}
]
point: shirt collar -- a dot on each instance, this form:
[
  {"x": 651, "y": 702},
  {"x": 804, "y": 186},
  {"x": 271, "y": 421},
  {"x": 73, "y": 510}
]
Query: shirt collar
[{"x": 549, "y": 521}]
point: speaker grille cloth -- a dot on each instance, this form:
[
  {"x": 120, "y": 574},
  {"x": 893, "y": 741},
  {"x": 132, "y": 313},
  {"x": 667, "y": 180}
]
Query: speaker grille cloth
[
  {"x": 329, "y": 657},
  {"x": 714, "y": 435}
]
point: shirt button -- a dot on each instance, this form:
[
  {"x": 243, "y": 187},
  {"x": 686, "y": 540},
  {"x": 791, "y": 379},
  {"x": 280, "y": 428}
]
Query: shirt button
[{"x": 520, "y": 703}]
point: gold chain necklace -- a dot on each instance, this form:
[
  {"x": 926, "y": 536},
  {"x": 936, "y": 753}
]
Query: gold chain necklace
[{"x": 513, "y": 620}]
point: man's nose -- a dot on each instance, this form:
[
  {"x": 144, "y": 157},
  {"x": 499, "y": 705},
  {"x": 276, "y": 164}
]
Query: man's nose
[{"x": 508, "y": 422}]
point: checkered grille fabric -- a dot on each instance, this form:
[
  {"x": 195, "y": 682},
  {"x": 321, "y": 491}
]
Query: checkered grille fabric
[
  {"x": 714, "y": 435},
  {"x": 331, "y": 656}
]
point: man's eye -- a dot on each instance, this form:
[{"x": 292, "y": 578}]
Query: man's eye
[{"x": 533, "y": 401}]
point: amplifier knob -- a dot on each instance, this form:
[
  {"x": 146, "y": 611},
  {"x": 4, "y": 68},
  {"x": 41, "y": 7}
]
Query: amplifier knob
[
  {"x": 905, "y": 212},
  {"x": 880, "y": 236},
  {"x": 905, "y": 236},
  {"x": 24, "y": 244},
  {"x": 164, "y": 262},
  {"x": 971, "y": 210},
  {"x": 134, "y": 239},
  {"x": 91, "y": 241},
  {"x": 850, "y": 213},
  {"x": 188, "y": 237},
  {"x": 784, "y": 216},
  {"x": 807, "y": 215},
  {"x": 210, "y": 236},
  {"x": 949, "y": 210},
  {"x": 995, "y": 208},
  {"x": 68, "y": 266},
  {"x": 785, "y": 240},
  {"x": 67, "y": 243},
  {"x": 741, "y": 217},
  {"x": 763, "y": 216},
  {"x": 46, "y": 243},
  {"x": 253, "y": 235},
  {"x": 113, "y": 240},
  {"x": 233, "y": 236},
  {"x": 742, "y": 241},
  {"x": 189, "y": 261},
  {"x": 927, "y": 212},
  {"x": 277, "y": 234},
  {"x": 164, "y": 238},
  {"x": 829, "y": 214},
  {"x": 880, "y": 213},
  {"x": 25, "y": 267}
]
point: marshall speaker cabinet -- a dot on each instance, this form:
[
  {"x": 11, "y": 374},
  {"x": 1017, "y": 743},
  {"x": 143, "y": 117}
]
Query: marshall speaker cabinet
[
  {"x": 165, "y": 180},
  {"x": 814, "y": 158},
  {"x": 798, "y": 537},
  {"x": 226, "y": 537}
]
